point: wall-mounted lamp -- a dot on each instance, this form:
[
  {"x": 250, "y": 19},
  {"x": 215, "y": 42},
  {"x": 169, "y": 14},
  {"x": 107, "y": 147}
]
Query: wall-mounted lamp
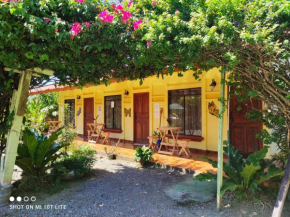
[
  {"x": 78, "y": 97},
  {"x": 212, "y": 85},
  {"x": 126, "y": 93}
]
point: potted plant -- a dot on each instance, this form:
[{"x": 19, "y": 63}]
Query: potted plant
[
  {"x": 155, "y": 133},
  {"x": 110, "y": 153},
  {"x": 143, "y": 155}
]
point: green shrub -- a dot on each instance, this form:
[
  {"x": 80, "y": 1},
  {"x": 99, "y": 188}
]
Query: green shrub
[
  {"x": 143, "y": 154},
  {"x": 244, "y": 175},
  {"x": 39, "y": 108},
  {"x": 84, "y": 151},
  {"x": 45, "y": 183},
  {"x": 32, "y": 183},
  {"x": 80, "y": 162},
  {"x": 37, "y": 152},
  {"x": 69, "y": 134}
]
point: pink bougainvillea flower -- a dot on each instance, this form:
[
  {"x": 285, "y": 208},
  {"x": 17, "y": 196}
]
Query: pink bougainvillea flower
[
  {"x": 80, "y": 1},
  {"x": 105, "y": 17},
  {"x": 76, "y": 28},
  {"x": 148, "y": 44},
  {"x": 118, "y": 8},
  {"x": 126, "y": 15},
  {"x": 103, "y": 14},
  {"x": 153, "y": 3},
  {"x": 109, "y": 18},
  {"x": 47, "y": 19},
  {"x": 136, "y": 24},
  {"x": 176, "y": 11},
  {"x": 88, "y": 24},
  {"x": 72, "y": 37},
  {"x": 129, "y": 4}
]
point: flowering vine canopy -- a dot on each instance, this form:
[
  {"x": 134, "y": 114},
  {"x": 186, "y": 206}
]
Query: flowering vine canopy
[{"x": 92, "y": 41}]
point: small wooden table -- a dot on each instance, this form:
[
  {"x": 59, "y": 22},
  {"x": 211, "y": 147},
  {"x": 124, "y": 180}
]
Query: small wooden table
[
  {"x": 95, "y": 132},
  {"x": 163, "y": 131},
  {"x": 53, "y": 125}
]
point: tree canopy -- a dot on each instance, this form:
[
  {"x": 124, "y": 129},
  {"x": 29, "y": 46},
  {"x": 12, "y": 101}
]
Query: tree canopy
[
  {"x": 76, "y": 40},
  {"x": 92, "y": 41}
]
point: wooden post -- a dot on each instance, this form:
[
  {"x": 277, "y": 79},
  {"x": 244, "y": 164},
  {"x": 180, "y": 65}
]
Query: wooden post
[
  {"x": 229, "y": 143},
  {"x": 280, "y": 201},
  {"x": 18, "y": 105},
  {"x": 220, "y": 143}
]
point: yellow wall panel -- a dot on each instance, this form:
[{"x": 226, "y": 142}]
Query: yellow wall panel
[{"x": 158, "y": 93}]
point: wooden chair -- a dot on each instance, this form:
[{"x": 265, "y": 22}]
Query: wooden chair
[
  {"x": 53, "y": 125},
  {"x": 95, "y": 132},
  {"x": 106, "y": 138},
  {"x": 95, "y": 137},
  {"x": 89, "y": 134},
  {"x": 184, "y": 149},
  {"x": 152, "y": 145}
]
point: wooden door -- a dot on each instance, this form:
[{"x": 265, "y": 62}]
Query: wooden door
[
  {"x": 88, "y": 114},
  {"x": 243, "y": 131},
  {"x": 141, "y": 117}
]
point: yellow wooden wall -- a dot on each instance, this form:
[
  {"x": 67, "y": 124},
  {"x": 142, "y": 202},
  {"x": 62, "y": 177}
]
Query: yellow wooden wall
[{"x": 158, "y": 93}]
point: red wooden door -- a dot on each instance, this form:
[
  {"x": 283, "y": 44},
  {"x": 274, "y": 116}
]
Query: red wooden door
[
  {"x": 243, "y": 131},
  {"x": 141, "y": 117},
  {"x": 88, "y": 114}
]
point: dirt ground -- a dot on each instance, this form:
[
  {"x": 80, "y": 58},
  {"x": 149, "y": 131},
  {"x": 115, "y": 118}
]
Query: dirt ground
[{"x": 120, "y": 188}]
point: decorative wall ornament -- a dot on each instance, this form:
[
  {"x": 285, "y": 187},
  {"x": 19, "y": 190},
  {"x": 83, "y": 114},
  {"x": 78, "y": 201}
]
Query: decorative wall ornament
[
  {"x": 79, "y": 111},
  {"x": 126, "y": 93},
  {"x": 127, "y": 112},
  {"x": 212, "y": 85},
  {"x": 212, "y": 109}
]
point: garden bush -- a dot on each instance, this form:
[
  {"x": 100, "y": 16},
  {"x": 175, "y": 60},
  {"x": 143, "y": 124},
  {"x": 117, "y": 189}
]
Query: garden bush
[
  {"x": 69, "y": 134},
  {"x": 45, "y": 183},
  {"x": 32, "y": 183},
  {"x": 80, "y": 162},
  {"x": 37, "y": 151},
  {"x": 243, "y": 175},
  {"x": 143, "y": 154},
  {"x": 39, "y": 108}
]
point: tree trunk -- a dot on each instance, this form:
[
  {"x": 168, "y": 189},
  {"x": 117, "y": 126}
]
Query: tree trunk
[{"x": 277, "y": 212}]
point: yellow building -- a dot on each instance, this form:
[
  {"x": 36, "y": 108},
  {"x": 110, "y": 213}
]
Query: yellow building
[{"x": 133, "y": 112}]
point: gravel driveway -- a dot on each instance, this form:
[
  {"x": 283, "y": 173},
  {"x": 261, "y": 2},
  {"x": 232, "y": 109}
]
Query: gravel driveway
[{"x": 119, "y": 188}]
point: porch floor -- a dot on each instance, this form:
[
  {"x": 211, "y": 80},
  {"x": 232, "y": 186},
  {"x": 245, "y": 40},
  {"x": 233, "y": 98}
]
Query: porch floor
[{"x": 192, "y": 164}]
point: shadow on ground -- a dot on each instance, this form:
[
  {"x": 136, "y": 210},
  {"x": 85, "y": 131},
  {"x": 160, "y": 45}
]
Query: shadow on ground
[{"x": 119, "y": 188}]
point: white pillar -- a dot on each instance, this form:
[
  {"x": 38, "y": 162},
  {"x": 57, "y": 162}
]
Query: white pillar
[
  {"x": 220, "y": 143},
  {"x": 18, "y": 106}
]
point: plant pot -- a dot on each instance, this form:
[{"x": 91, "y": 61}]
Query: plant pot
[
  {"x": 159, "y": 143},
  {"x": 5, "y": 193},
  {"x": 141, "y": 163},
  {"x": 111, "y": 156}
]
